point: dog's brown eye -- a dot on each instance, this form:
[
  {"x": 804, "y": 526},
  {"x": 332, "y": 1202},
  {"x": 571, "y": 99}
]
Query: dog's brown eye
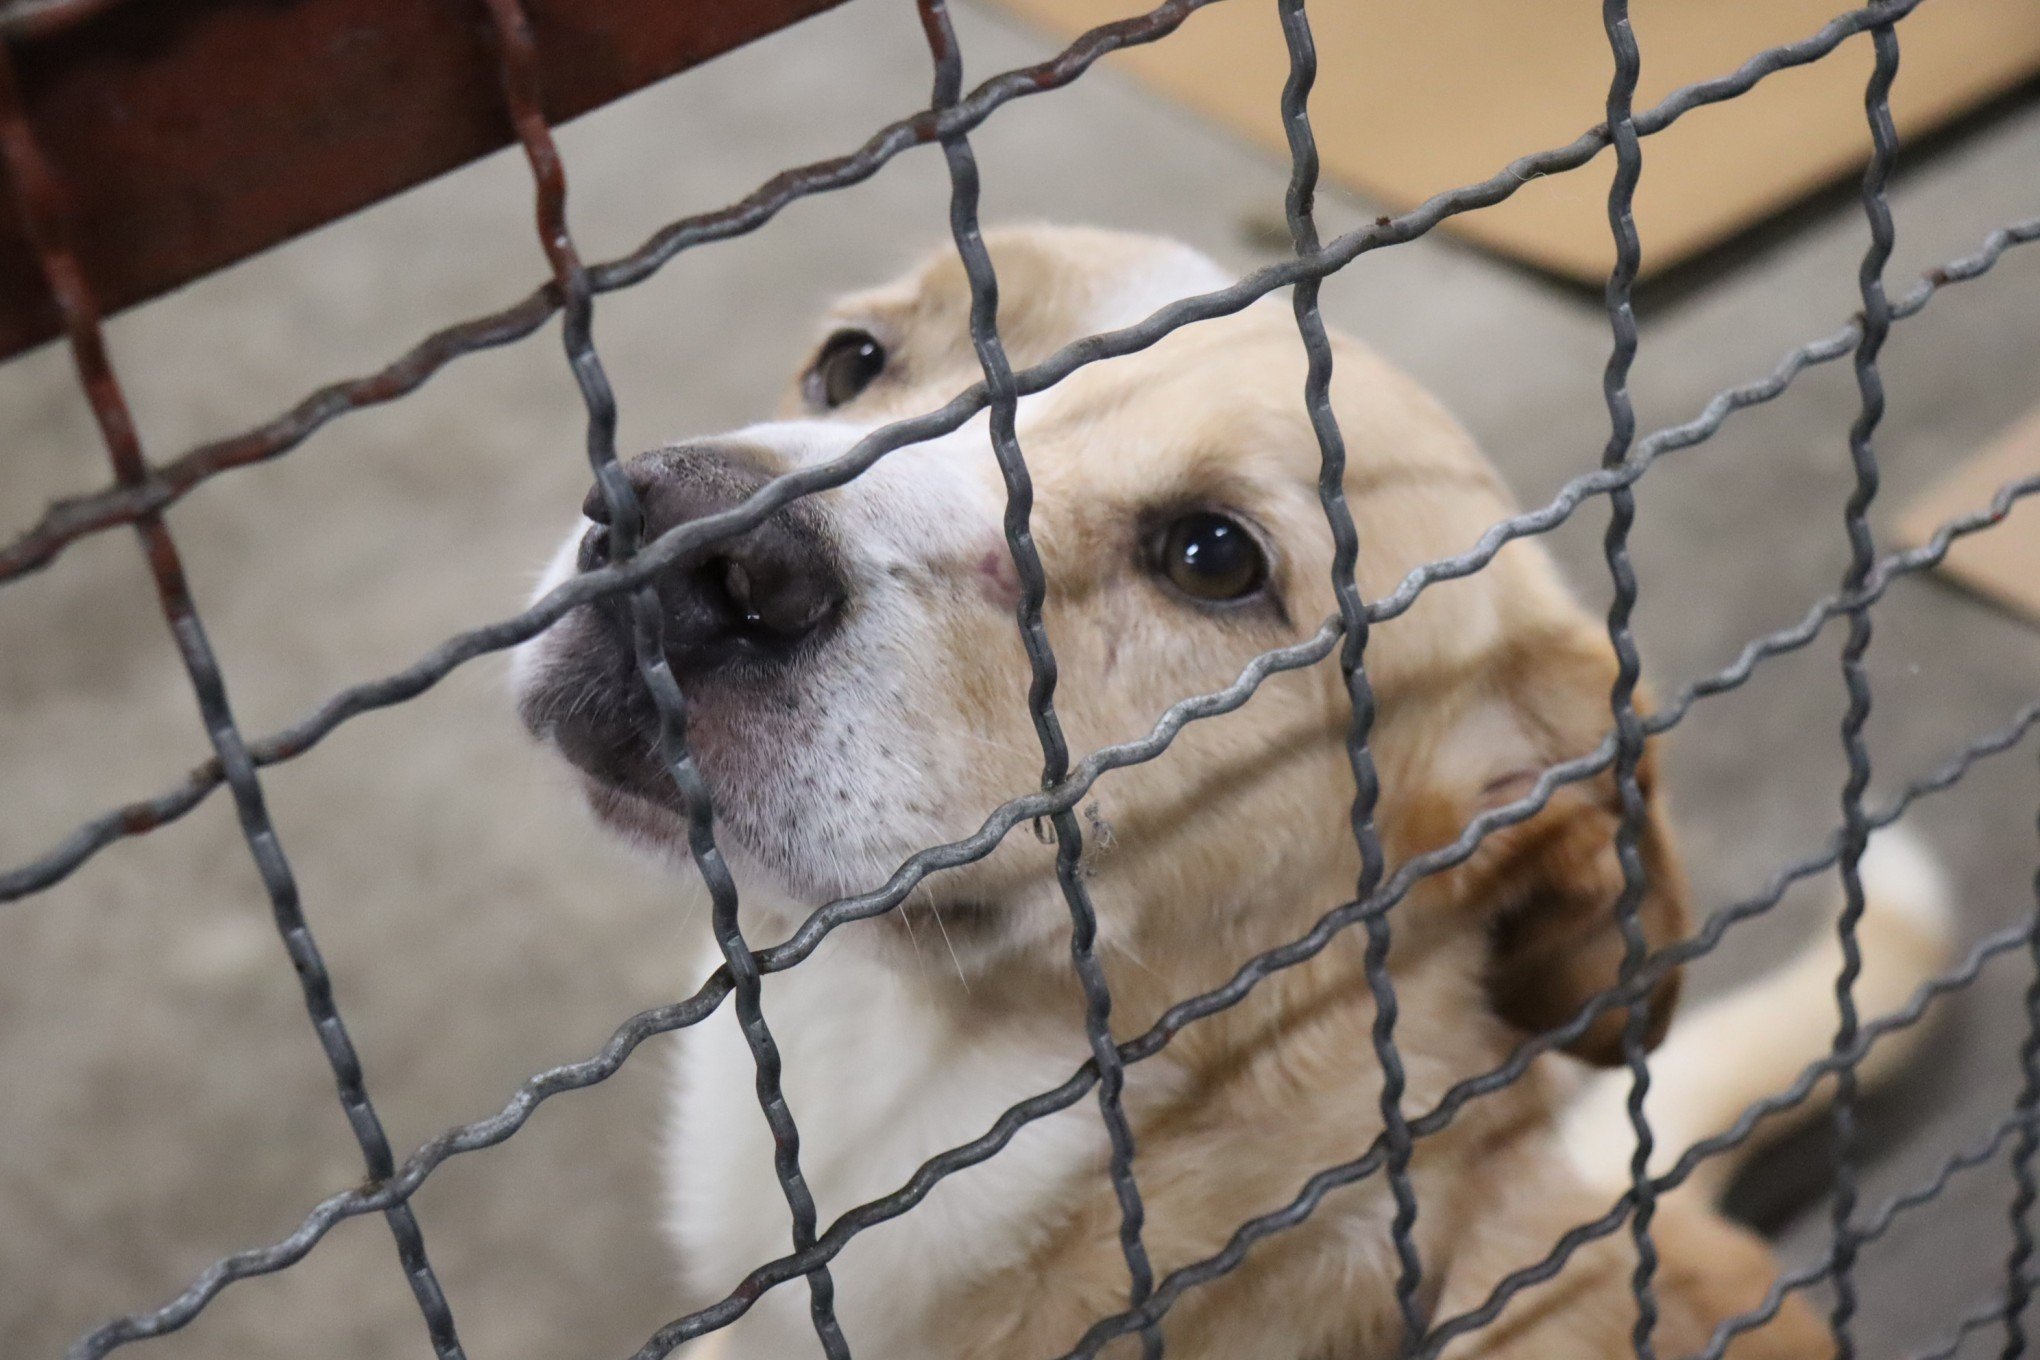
[
  {"x": 1210, "y": 557},
  {"x": 849, "y": 362}
]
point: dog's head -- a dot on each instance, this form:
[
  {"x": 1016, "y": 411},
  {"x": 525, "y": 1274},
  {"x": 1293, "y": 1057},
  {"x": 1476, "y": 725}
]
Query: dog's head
[{"x": 857, "y": 689}]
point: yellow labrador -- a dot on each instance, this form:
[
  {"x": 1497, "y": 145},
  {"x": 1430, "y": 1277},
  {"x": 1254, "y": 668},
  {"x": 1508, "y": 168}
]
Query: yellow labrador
[{"x": 857, "y": 691}]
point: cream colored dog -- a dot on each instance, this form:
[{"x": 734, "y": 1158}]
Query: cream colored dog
[{"x": 857, "y": 691}]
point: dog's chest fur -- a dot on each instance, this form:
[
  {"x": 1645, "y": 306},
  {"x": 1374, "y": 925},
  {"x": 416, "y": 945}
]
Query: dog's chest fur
[
  {"x": 880, "y": 1078},
  {"x": 1016, "y": 1256}
]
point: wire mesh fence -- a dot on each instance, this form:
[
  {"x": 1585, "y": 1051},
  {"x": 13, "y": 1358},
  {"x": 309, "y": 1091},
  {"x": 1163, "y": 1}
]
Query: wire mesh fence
[{"x": 140, "y": 492}]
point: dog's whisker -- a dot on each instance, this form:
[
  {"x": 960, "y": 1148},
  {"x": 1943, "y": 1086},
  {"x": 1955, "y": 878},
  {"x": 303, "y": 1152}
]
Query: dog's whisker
[
  {"x": 940, "y": 926},
  {"x": 913, "y": 940}
]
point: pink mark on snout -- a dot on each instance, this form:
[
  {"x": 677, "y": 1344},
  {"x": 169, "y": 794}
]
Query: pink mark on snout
[{"x": 999, "y": 579}]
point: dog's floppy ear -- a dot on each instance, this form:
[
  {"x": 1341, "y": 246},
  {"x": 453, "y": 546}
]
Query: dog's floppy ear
[{"x": 1548, "y": 887}]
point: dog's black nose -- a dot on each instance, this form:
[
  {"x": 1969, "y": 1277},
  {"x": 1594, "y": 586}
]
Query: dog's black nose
[{"x": 758, "y": 595}]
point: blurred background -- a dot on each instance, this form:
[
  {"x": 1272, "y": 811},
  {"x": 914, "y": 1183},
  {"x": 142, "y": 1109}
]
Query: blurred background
[{"x": 165, "y": 1101}]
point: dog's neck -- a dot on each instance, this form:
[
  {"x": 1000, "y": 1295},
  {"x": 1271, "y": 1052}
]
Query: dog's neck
[
  {"x": 1148, "y": 978},
  {"x": 891, "y": 1058}
]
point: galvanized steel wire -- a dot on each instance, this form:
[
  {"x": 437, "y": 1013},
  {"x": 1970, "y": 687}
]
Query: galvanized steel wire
[{"x": 140, "y": 492}]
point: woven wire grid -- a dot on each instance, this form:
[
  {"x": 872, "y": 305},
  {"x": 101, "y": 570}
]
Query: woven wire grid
[{"x": 140, "y": 492}]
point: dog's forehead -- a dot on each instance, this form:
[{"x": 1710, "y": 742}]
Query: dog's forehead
[
  {"x": 1210, "y": 409},
  {"x": 1056, "y": 285}
]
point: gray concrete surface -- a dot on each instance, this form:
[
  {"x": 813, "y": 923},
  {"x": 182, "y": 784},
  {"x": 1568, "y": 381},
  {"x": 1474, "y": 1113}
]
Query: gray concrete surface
[{"x": 164, "y": 1099}]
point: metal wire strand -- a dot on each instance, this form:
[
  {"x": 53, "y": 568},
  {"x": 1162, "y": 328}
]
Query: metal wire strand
[
  {"x": 70, "y": 520},
  {"x": 40, "y": 197},
  {"x": 1629, "y": 733},
  {"x": 1299, "y": 208},
  {"x": 1055, "y": 752},
  {"x": 519, "y": 60},
  {"x": 1972, "y": 1322},
  {"x": 1863, "y": 557},
  {"x": 2018, "y": 1263}
]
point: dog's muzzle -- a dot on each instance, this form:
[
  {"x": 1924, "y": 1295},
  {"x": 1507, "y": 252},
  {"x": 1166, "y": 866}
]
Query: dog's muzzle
[{"x": 738, "y": 613}]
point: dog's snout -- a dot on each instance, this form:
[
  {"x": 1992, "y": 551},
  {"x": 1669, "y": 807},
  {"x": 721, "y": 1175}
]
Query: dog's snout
[{"x": 758, "y": 594}]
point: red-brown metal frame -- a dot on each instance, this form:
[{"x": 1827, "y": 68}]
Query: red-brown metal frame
[{"x": 193, "y": 133}]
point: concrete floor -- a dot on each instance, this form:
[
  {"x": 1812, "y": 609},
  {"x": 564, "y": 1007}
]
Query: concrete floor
[{"x": 165, "y": 1100}]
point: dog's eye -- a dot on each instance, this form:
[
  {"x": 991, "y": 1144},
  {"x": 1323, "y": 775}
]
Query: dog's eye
[
  {"x": 1210, "y": 557},
  {"x": 848, "y": 364}
]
